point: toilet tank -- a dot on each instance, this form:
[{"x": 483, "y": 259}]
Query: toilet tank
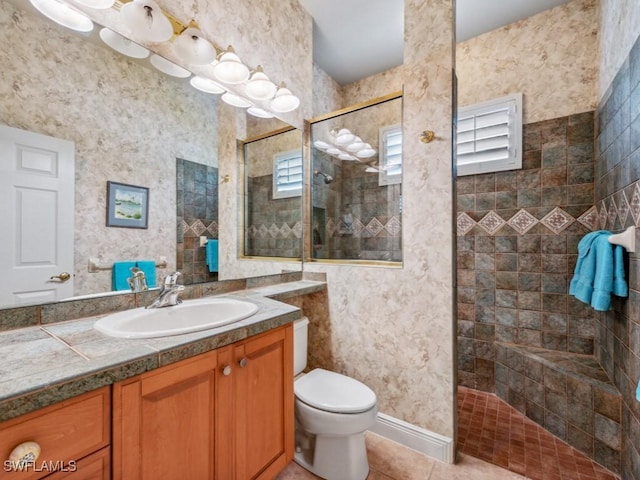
[{"x": 300, "y": 337}]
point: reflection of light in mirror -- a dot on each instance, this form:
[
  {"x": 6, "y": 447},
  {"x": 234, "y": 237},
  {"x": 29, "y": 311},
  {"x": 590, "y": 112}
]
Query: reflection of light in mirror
[
  {"x": 64, "y": 15},
  {"x": 170, "y": 68},
  {"x": 193, "y": 48},
  {"x": 235, "y": 100},
  {"x": 344, "y": 137},
  {"x": 321, "y": 145},
  {"x": 347, "y": 156},
  {"x": 206, "y": 85},
  {"x": 334, "y": 151},
  {"x": 356, "y": 146},
  {"x": 145, "y": 20},
  {"x": 258, "y": 112},
  {"x": 123, "y": 45},
  {"x": 366, "y": 152}
]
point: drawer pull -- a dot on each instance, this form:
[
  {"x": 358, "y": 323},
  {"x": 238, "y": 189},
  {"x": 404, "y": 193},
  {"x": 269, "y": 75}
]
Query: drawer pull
[
  {"x": 226, "y": 371},
  {"x": 24, "y": 454}
]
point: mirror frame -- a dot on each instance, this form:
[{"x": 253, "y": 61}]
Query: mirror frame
[
  {"x": 245, "y": 193},
  {"x": 308, "y": 194}
]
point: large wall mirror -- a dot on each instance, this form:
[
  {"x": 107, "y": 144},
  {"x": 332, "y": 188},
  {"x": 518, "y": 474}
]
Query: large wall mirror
[
  {"x": 273, "y": 181},
  {"x": 129, "y": 124},
  {"x": 356, "y": 184}
]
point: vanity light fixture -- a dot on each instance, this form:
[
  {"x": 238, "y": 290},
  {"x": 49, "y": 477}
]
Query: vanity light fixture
[
  {"x": 145, "y": 20},
  {"x": 170, "y": 68},
  {"x": 259, "y": 112},
  {"x": 235, "y": 100},
  {"x": 346, "y": 146},
  {"x": 193, "y": 48},
  {"x": 122, "y": 44},
  {"x": 259, "y": 86},
  {"x": 230, "y": 69},
  {"x": 206, "y": 85},
  {"x": 284, "y": 101},
  {"x": 64, "y": 15}
]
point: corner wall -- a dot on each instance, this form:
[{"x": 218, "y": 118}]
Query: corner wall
[
  {"x": 618, "y": 202},
  {"x": 393, "y": 329}
]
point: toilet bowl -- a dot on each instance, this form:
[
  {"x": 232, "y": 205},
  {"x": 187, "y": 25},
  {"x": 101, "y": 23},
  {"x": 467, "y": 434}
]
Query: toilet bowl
[{"x": 332, "y": 413}]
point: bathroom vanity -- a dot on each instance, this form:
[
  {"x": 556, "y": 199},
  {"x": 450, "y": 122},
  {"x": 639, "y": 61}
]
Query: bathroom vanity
[{"x": 216, "y": 404}]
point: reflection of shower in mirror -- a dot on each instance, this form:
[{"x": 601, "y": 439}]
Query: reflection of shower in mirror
[{"x": 327, "y": 178}]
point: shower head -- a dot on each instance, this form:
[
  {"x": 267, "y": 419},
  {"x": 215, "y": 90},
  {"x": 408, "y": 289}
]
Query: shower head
[{"x": 327, "y": 178}]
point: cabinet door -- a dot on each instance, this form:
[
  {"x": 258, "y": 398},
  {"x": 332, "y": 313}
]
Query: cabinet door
[
  {"x": 94, "y": 467},
  {"x": 164, "y": 422},
  {"x": 263, "y": 393}
]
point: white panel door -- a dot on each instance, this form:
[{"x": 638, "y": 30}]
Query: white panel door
[{"x": 36, "y": 207}]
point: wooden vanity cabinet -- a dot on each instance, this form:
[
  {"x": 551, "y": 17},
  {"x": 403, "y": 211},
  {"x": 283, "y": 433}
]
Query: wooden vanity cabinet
[
  {"x": 73, "y": 435},
  {"x": 226, "y": 414}
]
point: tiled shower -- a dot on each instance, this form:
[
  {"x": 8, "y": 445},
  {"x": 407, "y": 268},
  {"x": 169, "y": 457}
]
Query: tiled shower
[{"x": 520, "y": 335}]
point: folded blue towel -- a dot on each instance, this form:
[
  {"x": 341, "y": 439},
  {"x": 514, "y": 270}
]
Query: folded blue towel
[
  {"x": 149, "y": 269},
  {"x": 121, "y": 271},
  {"x": 212, "y": 255},
  {"x": 599, "y": 271}
]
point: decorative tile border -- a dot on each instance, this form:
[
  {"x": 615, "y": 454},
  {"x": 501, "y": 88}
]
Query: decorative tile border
[
  {"x": 375, "y": 227},
  {"x": 606, "y": 215},
  {"x": 275, "y": 231},
  {"x": 199, "y": 228}
]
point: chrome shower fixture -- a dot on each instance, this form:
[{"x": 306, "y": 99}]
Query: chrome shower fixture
[{"x": 327, "y": 178}]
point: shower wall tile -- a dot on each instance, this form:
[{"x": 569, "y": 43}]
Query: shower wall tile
[
  {"x": 617, "y": 187},
  {"x": 517, "y": 253}
]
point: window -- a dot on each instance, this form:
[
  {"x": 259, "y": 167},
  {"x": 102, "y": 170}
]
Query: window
[
  {"x": 390, "y": 171},
  {"x": 287, "y": 174},
  {"x": 489, "y": 136}
]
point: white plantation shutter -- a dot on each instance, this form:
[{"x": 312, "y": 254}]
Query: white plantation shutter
[
  {"x": 287, "y": 174},
  {"x": 489, "y": 136},
  {"x": 390, "y": 155}
]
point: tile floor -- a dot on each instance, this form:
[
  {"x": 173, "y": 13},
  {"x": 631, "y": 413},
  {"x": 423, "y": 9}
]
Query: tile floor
[
  {"x": 492, "y": 430},
  {"x": 391, "y": 461}
]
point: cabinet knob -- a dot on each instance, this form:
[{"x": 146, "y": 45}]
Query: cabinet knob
[
  {"x": 243, "y": 362},
  {"x": 24, "y": 454},
  {"x": 226, "y": 371}
]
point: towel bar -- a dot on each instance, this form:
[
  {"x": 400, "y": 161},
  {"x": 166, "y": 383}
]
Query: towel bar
[
  {"x": 95, "y": 265},
  {"x": 627, "y": 239}
]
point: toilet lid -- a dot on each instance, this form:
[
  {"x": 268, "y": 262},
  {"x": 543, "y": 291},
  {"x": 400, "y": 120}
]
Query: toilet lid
[{"x": 333, "y": 392}]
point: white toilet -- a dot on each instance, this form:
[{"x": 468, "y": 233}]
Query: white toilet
[{"x": 332, "y": 413}]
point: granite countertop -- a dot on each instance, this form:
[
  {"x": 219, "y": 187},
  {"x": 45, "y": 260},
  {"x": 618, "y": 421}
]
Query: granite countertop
[{"x": 45, "y": 364}]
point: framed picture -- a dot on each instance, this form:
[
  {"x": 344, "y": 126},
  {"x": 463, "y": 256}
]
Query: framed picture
[{"x": 127, "y": 205}]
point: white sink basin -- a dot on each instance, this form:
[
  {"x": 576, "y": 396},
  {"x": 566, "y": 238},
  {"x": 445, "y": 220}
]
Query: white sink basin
[{"x": 189, "y": 316}]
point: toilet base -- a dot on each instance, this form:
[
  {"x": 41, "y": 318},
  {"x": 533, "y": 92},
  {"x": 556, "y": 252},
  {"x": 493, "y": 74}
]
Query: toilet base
[{"x": 333, "y": 458}]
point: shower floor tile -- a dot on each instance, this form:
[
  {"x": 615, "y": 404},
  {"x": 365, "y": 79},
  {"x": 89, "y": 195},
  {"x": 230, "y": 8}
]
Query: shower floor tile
[{"x": 493, "y": 431}]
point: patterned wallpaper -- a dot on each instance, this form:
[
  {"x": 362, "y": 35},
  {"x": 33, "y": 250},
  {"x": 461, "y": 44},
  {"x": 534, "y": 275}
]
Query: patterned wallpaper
[
  {"x": 550, "y": 57},
  {"x": 619, "y": 29},
  {"x": 59, "y": 84},
  {"x": 393, "y": 328}
]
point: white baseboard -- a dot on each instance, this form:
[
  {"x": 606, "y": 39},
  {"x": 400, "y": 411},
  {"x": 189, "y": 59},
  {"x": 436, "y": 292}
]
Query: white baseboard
[{"x": 419, "y": 439}]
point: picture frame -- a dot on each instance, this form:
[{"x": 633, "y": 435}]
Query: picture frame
[{"x": 127, "y": 205}]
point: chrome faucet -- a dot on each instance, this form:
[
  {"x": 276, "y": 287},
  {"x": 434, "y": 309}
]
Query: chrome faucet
[
  {"x": 137, "y": 281},
  {"x": 169, "y": 293}
]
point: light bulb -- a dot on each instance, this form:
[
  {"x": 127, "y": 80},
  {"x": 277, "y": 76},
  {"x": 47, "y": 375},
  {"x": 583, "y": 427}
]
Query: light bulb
[
  {"x": 344, "y": 137},
  {"x": 206, "y": 85},
  {"x": 191, "y": 47},
  {"x": 64, "y": 15},
  {"x": 170, "y": 68},
  {"x": 230, "y": 69},
  {"x": 122, "y": 44},
  {"x": 319, "y": 144},
  {"x": 259, "y": 86},
  {"x": 259, "y": 112},
  {"x": 97, "y": 4},
  {"x": 145, "y": 20},
  {"x": 235, "y": 100},
  {"x": 284, "y": 101}
]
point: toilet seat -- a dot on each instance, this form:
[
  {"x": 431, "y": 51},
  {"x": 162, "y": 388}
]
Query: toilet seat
[{"x": 333, "y": 392}]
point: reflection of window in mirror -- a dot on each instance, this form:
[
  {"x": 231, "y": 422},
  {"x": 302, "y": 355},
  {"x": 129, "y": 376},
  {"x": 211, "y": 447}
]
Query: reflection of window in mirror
[
  {"x": 390, "y": 171},
  {"x": 287, "y": 174}
]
